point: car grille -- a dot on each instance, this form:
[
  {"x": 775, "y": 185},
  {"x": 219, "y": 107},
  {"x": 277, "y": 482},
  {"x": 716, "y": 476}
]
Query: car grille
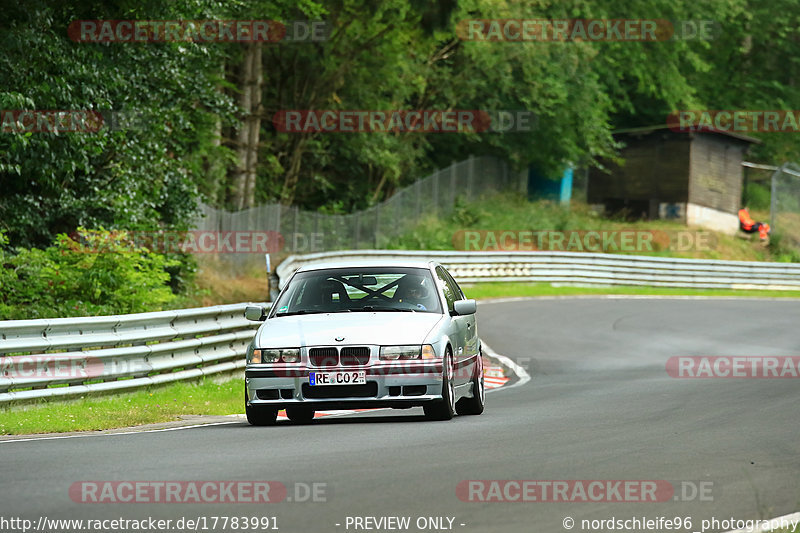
[
  {"x": 323, "y": 356},
  {"x": 355, "y": 355},
  {"x": 329, "y": 356}
]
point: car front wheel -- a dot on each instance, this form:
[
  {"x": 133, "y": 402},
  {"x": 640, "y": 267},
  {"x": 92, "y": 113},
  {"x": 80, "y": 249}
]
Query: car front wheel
[
  {"x": 474, "y": 405},
  {"x": 444, "y": 409},
  {"x": 258, "y": 415}
]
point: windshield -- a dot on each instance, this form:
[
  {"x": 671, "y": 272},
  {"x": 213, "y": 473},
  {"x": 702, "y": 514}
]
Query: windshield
[{"x": 360, "y": 290}]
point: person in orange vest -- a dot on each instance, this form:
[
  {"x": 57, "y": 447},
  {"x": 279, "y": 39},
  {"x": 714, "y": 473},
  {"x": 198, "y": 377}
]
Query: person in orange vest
[{"x": 748, "y": 225}]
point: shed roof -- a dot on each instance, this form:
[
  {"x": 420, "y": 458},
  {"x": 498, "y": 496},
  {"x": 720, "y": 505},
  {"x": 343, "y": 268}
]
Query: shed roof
[{"x": 645, "y": 130}]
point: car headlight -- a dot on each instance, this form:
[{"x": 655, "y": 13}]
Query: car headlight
[
  {"x": 428, "y": 352},
  {"x": 393, "y": 353},
  {"x": 290, "y": 355},
  {"x": 275, "y": 355}
]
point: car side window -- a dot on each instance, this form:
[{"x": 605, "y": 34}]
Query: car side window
[
  {"x": 456, "y": 289},
  {"x": 449, "y": 294}
]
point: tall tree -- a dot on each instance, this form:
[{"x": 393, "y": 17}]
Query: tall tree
[
  {"x": 251, "y": 81},
  {"x": 142, "y": 175}
]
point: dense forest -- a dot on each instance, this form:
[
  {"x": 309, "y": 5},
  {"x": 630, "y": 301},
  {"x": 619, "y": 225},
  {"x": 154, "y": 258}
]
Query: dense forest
[{"x": 185, "y": 120}]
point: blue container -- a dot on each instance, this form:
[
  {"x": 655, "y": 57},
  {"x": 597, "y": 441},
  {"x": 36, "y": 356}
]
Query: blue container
[{"x": 541, "y": 187}]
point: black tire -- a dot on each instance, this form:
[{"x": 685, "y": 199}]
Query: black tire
[
  {"x": 474, "y": 405},
  {"x": 444, "y": 409},
  {"x": 259, "y": 415},
  {"x": 300, "y": 414}
]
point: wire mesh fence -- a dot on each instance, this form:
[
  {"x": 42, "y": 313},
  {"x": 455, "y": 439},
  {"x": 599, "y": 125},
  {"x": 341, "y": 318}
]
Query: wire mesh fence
[
  {"x": 300, "y": 231},
  {"x": 785, "y": 204}
]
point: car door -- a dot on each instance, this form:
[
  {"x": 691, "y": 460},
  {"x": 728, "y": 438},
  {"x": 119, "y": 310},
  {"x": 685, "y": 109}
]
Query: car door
[
  {"x": 458, "y": 325},
  {"x": 471, "y": 338}
]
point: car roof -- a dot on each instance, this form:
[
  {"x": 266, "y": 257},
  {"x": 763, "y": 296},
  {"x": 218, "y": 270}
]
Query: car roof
[{"x": 357, "y": 263}]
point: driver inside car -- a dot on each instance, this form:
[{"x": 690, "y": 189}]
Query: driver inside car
[{"x": 414, "y": 292}]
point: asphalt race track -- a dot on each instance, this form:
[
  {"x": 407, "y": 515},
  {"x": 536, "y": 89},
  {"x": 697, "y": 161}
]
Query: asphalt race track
[{"x": 600, "y": 406}]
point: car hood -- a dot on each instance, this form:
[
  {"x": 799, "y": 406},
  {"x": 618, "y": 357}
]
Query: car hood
[{"x": 357, "y": 328}]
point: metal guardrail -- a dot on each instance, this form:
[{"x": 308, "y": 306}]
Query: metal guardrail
[
  {"x": 574, "y": 268},
  {"x": 64, "y": 357}
]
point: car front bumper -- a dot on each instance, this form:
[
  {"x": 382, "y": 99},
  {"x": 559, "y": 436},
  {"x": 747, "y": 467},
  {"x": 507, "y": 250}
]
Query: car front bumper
[{"x": 388, "y": 384}]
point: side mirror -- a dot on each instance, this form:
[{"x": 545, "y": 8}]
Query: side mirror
[
  {"x": 256, "y": 313},
  {"x": 465, "y": 307}
]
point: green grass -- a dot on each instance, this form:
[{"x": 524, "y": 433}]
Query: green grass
[
  {"x": 502, "y": 289},
  {"x": 158, "y": 404}
]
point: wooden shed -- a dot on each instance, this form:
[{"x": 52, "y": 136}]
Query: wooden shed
[{"x": 694, "y": 177}]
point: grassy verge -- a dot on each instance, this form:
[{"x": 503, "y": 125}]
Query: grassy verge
[
  {"x": 158, "y": 404},
  {"x": 217, "y": 283},
  {"x": 511, "y": 289},
  {"x": 512, "y": 212}
]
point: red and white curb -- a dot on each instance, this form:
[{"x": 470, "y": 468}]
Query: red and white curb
[
  {"x": 522, "y": 375},
  {"x": 494, "y": 377},
  {"x": 320, "y": 414}
]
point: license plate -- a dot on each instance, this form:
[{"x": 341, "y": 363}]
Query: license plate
[{"x": 337, "y": 378}]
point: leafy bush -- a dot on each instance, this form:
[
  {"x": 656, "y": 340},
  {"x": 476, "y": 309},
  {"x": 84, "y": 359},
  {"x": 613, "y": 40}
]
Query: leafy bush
[
  {"x": 757, "y": 196},
  {"x": 782, "y": 249},
  {"x": 98, "y": 274},
  {"x": 466, "y": 213}
]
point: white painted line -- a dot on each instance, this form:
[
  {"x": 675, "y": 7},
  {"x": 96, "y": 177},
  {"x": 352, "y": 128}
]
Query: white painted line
[
  {"x": 56, "y": 437},
  {"x": 522, "y": 374},
  {"x": 788, "y": 521},
  {"x": 238, "y": 418}
]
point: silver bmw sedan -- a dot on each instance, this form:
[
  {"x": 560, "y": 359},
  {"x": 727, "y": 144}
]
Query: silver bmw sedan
[{"x": 365, "y": 334}]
